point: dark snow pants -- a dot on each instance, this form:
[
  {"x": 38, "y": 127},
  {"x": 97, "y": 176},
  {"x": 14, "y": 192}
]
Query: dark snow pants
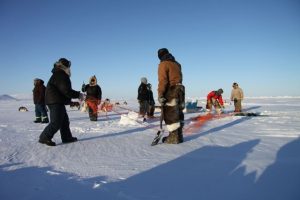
[
  {"x": 143, "y": 107},
  {"x": 40, "y": 112},
  {"x": 59, "y": 120}
]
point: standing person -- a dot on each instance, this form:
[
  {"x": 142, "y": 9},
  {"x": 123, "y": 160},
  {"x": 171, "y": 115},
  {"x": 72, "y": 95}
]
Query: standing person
[
  {"x": 171, "y": 95},
  {"x": 214, "y": 98},
  {"x": 143, "y": 97},
  {"x": 237, "y": 95},
  {"x": 39, "y": 91},
  {"x": 151, "y": 102},
  {"x": 93, "y": 97},
  {"x": 59, "y": 93}
]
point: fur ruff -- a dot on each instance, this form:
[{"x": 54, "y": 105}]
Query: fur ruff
[{"x": 173, "y": 127}]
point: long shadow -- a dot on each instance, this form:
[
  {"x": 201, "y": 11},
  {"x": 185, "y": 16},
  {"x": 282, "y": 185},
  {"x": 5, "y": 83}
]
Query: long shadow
[
  {"x": 45, "y": 183},
  {"x": 216, "y": 129},
  {"x": 139, "y": 129},
  {"x": 215, "y": 173},
  {"x": 211, "y": 172},
  {"x": 100, "y": 118},
  {"x": 250, "y": 108},
  {"x": 281, "y": 180}
]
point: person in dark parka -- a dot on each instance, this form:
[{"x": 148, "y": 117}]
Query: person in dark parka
[
  {"x": 151, "y": 102},
  {"x": 93, "y": 97},
  {"x": 143, "y": 97},
  {"x": 59, "y": 93},
  {"x": 39, "y": 101}
]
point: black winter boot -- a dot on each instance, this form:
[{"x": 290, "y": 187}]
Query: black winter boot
[
  {"x": 180, "y": 135},
  {"x": 37, "y": 120},
  {"x": 45, "y": 140},
  {"x": 69, "y": 140},
  {"x": 180, "y": 132},
  {"x": 45, "y": 121}
]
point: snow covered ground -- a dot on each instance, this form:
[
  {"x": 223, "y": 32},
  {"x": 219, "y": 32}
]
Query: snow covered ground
[{"x": 227, "y": 158}]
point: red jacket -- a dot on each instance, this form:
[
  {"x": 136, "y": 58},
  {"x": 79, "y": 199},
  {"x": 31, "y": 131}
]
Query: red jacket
[{"x": 214, "y": 95}]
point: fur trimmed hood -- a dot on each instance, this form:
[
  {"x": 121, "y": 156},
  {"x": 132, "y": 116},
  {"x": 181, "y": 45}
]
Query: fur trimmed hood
[
  {"x": 59, "y": 66},
  {"x": 93, "y": 81}
]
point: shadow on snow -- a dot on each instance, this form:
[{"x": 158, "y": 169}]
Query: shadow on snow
[{"x": 211, "y": 173}]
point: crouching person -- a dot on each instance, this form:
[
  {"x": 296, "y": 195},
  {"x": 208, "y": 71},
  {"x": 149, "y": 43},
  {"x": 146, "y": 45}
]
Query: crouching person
[
  {"x": 171, "y": 95},
  {"x": 214, "y": 99},
  {"x": 59, "y": 93},
  {"x": 93, "y": 97}
]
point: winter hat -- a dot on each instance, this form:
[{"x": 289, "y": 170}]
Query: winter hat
[
  {"x": 65, "y": 62},
  {"x": 144, "y": 80},
  {"x": 220, "y": 91},
  {"x": 161, "y": 52},
  {"x": 35, "y": 81}
]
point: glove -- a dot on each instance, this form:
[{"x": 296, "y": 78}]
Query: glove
[
  {"x": 81, "y": 96},
  {"x": 162, "y": 100}
]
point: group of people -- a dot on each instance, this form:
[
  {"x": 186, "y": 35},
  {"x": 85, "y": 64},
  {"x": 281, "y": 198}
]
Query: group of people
[
  {"x": 214, "y": 98},
  {"x": 171, "y": 96}
]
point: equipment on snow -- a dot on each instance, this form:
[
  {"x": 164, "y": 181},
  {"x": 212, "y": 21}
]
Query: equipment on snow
[{"x": 159, "y": 133}]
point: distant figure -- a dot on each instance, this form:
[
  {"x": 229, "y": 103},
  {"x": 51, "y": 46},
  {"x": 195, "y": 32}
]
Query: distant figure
[
  {"x": 151, "y": 102},
  {"x": 39, "y": 91},
  {"x": 59, "y": 93},
  {"x": 237, "y": 96},
  {"x": 171, "y": 95},
  {"x": 143, "y": 97},
  {"x": 93, "y": 97},
  {"x": 214, "y": 98}
]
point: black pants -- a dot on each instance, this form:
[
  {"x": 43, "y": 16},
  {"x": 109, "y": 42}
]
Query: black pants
[
  {"x": 40, "y": 111},
  {"x": 59, "y": 120},
  {"x": 143, "y": 107}
]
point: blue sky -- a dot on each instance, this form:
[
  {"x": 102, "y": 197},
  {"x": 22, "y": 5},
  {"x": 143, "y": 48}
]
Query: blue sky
[{"x": 253, "y": 42}]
